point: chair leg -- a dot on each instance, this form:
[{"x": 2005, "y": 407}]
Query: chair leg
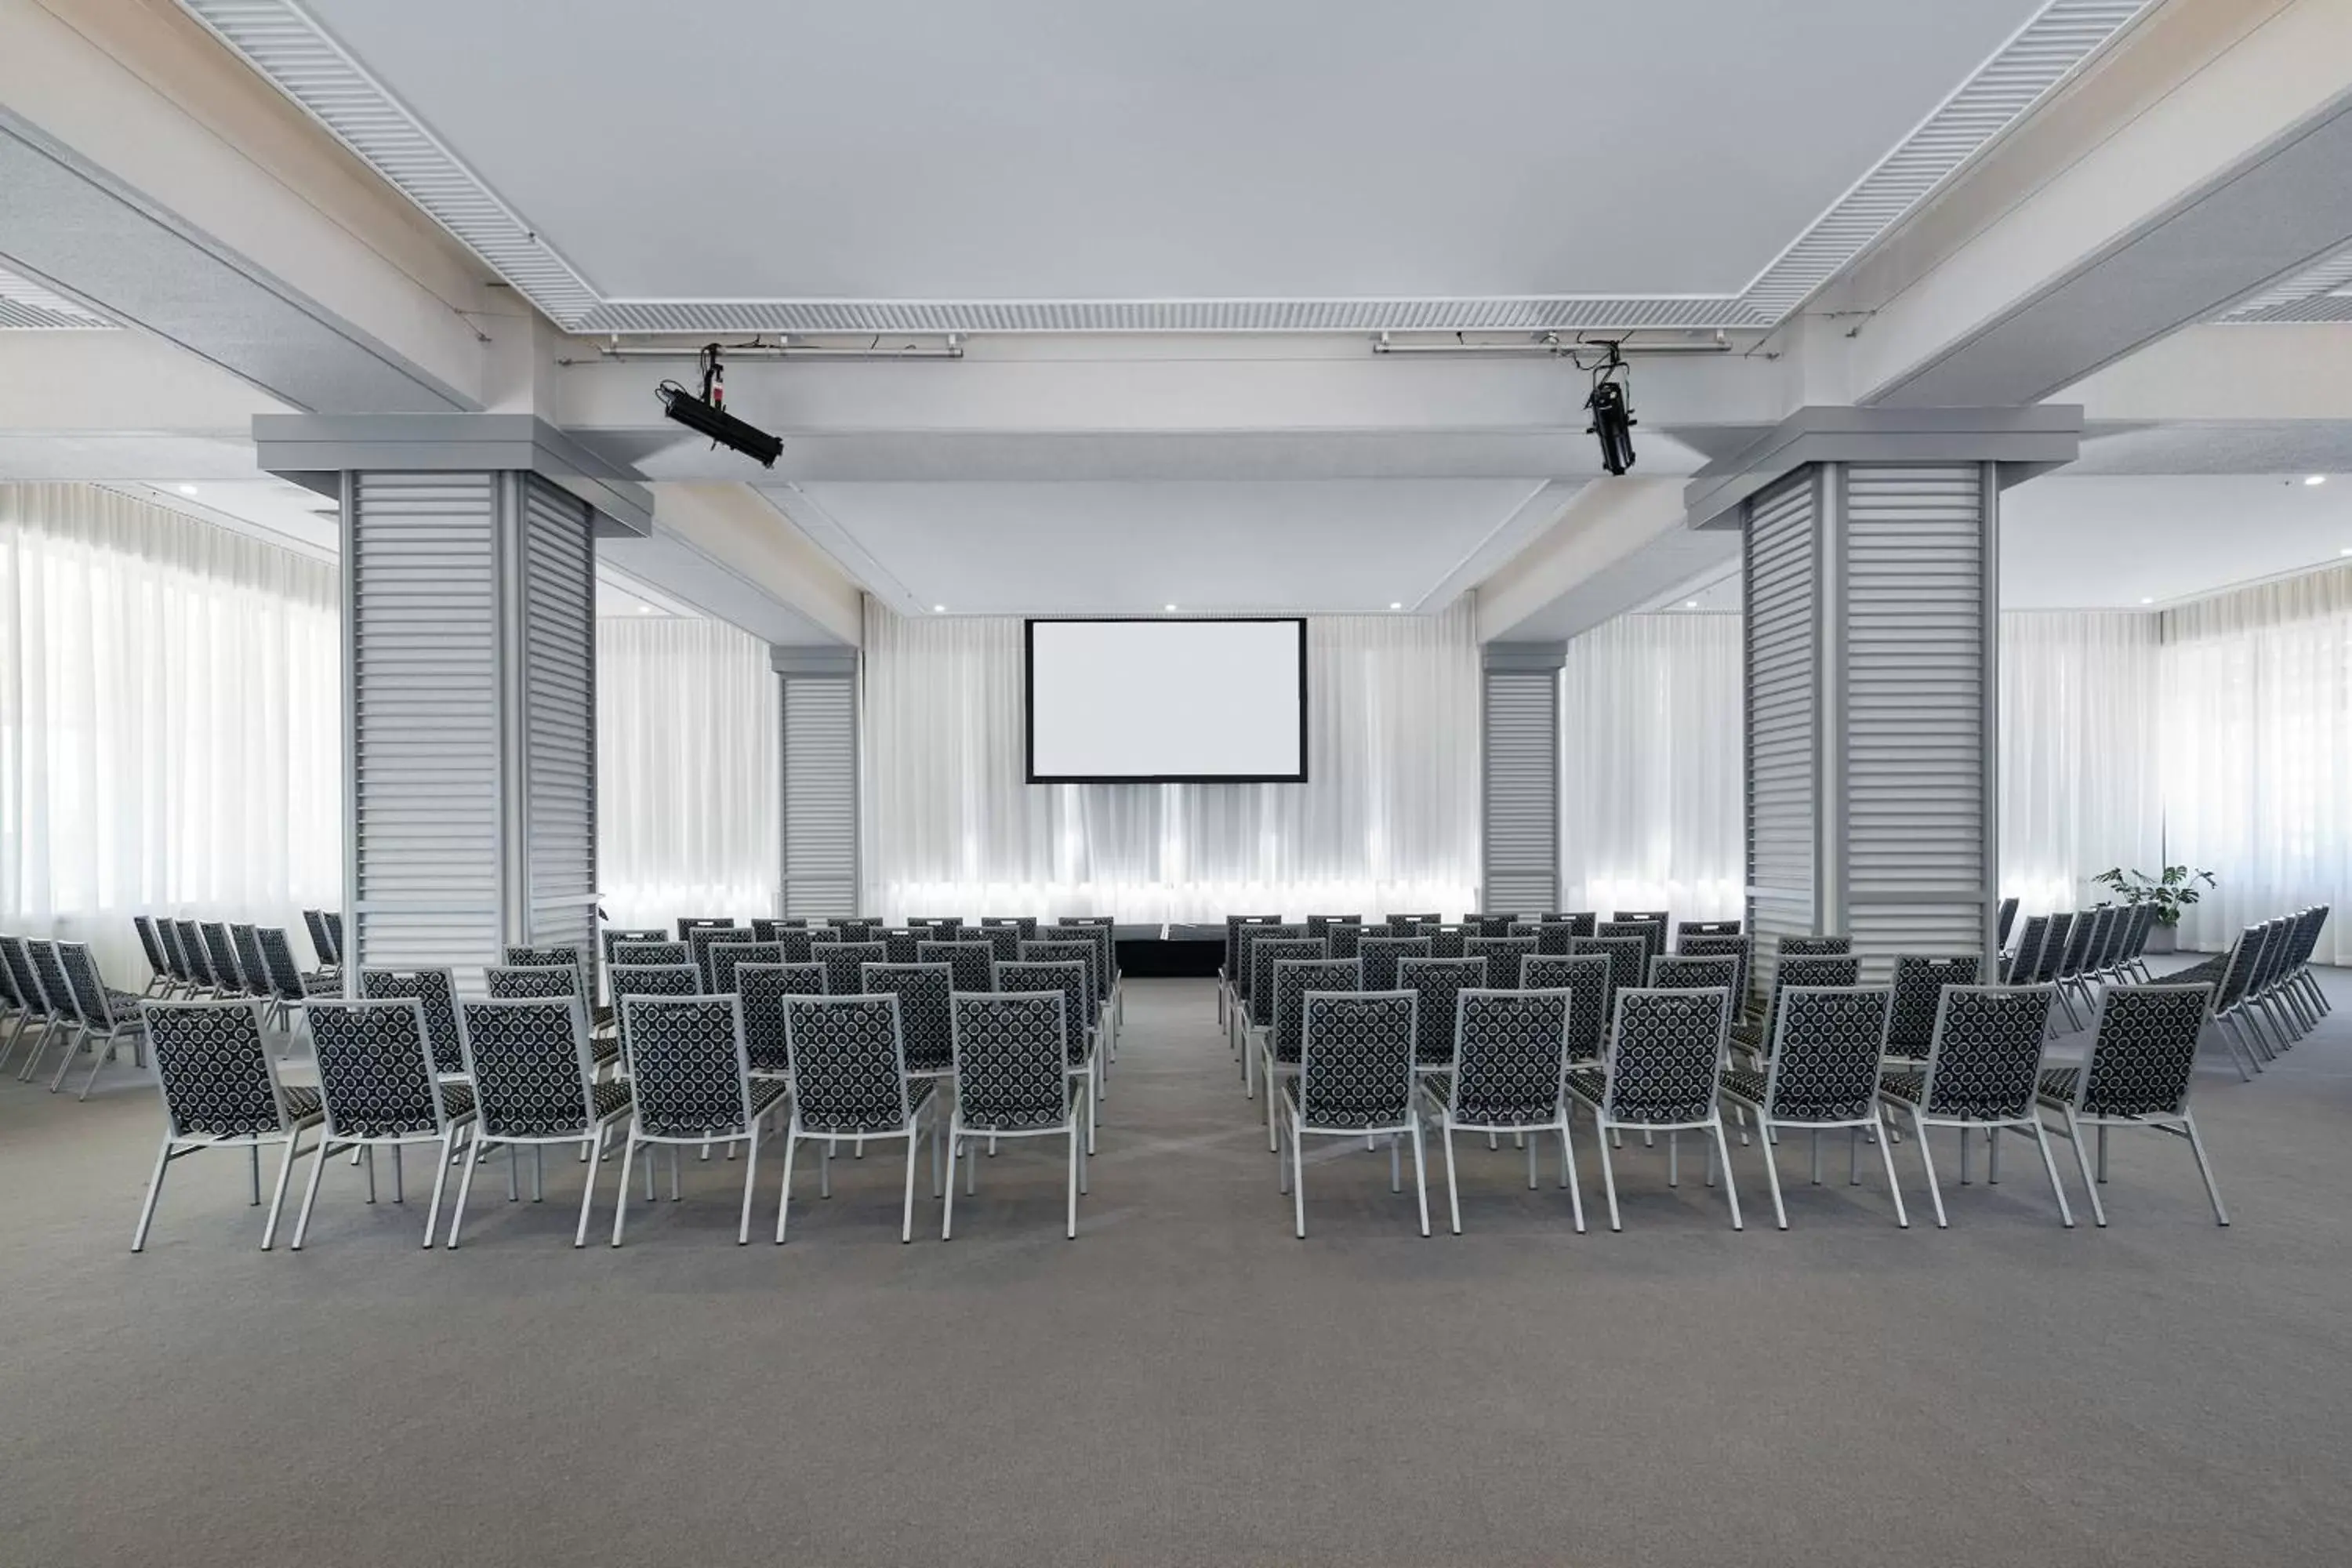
[
  {"x": 906, "y": 1219},
  {"x": 1297, "y": 1182},
  {"x": 277, "y": 1197},
  {"x": 751, "y": 1170},
  {"x": 1772, "y": 1177},
  {"x": 947, "y": 1216},
  {"x": 591, "y": 1149},
  {"x": 154, "y": 1191},
  {"x": 1567, "y": 1176},
  {"x": 1071, "y": 1230},
  {"x": 447, "y": 1142},
  {"x": 1730, "y": 1188},
  {"x": 2204, "y": 1168},
  {"x": 1420, "y": 1175},
  {"x": 784, "y": 1190},
  {"x": 98, "y": 1058},
  {"x": 1894, "y": 1187},
  {"x": 2065, "y": 1214},
  {"x": 2083, "y": 1160},
  {"x": 1928, "y": 1164},
  {"x": 1453, "y": 1194},
  {"x": 1608, "y": 1172},
  {"x": 310, "y": 1196},
  {"x": 621, "y": 1204},
  {"x": 472, "y": 1160}
]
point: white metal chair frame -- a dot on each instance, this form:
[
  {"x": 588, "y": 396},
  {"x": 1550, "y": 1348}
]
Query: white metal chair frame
[
  {"x": 179, "y": 1143},
  {"x": 1074, "y": 1124},
  {"x": 1606, "y": 1098},
  {"x": 1770, "y": 1119},
  {"x": 589, "y": 1135},
  {"x": 1554, "y": 1117},
  {"x": 2175, "y": 1119},
  {"x": 915, "y": 1105},
  {"x": 445, "y": 1130},
  {"x": 1291, "y": 1170},
  {"x": 756, "y": 1107},
  {"x": 2027, "y": 1121}
]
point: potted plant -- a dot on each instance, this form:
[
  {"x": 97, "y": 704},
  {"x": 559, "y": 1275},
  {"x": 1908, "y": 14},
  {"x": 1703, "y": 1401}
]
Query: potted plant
[{"x": 2170, "y": 893}]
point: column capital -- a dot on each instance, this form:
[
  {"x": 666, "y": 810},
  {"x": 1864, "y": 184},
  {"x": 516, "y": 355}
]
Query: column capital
[
  {"x": 1534, "y": 657},
  {"x": 2022, "y": 441},
  {"x": 812, "y": 659},
  {"x": 316, "y": 449}
]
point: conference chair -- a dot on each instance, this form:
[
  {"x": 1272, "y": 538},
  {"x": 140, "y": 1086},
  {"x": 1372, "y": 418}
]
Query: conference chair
[
  {"x": 64, "y": 1014},
  {"x": 763, "y": 987},
  {"x": 2133, "y": 968},
  {"x": 1266, "y": 952},
  {"x": 12, "y": 1002},
  {"x": 688, "y": 925},
  {"x": 845, "y": 963},
  {"x": 1232, "y": 975},
  {"x": 2021, "y": 960},
  {"x": 545, "y": 982},
  {"x": 612, "y": 940},
  {"x": 159, "y": 978},
  {"x": 1657, "y": 920},
  {"x": 1685, "y": 928},
  {"x": 1740, "y": 949},
  {"x": 2066, "y": 977},
  {"x": 110, "y": 1018},
  {"x": 248, "y": 947},
  {"x": 934, "y": 923},
  {"x": 1823, "y": 1075},
  {"x": 1982, "y": 1074},
  {"x": 728, "y": 958},
  {"x": 1382, "y": 955},
  {"x": 2142, "y": 1060},
  {"x": 1585, "y": 978},
  {"x": 1068, "y": 978},
  {"x": 378, "y": 1089},
  {"x": 698, "y": 942},
  {"x": 1448, "y": 940},
  {"x": 1627, "y": 956},
  {"x": 898, "y": 941},
  {"x": 1347, "y": 941},
  {"x": 1918, "y": 993},
  {"x": 1434, "y": 983},
  {"x": 1508, "y": 1074},
  {"x": 1694, "y": 971},
  {"x": 773, "y": 930},
  {"x": 334, "y": 924},
  {"x": 1503, "y": 956},
  {"x": 220, "y": 1091},
  {"x": 1496, "y": 924},
  {"x": 221, "y": 956},
  {"x": 1660, "y": 1076},
  {"x": 1028, "y": 924},
  {"x": 1814, "y": 946},
  {"x": 1580, "y": 922},
  {"x": 854, "y": 928},
  {"x": 2005, "y": 919},
  {"x": 1099, "y": 930},
  {"x": 1237, "y": 981},
  {"x": 1002, "y": 942},
  {"x": 925, "y": 1023},
  {"x": 649, "y": 954},
  {"x": 202, "y": 982},
  {"x": 691, "y": 1083},
  {"x": 534, "y": 1085},
  {"x": 438, "y": 991},
  {"x": 1320, "y": 925},
  {"x": 1354, "y": 1079},
  {"x": 289, "y": 987},
  {"x": 629, "y": 980},
  {"x": 1012, "y": 1079},
  {"x": 2054, "y": 945},
  {"x": 324, "y": 947},
  {"x": 849, "y": 1080},
  {"x": 1815, "y": 969},
  {"x": 1409, "y": 925},
  {"x": 37, "y": 1015},
  {"x": 183, "y": 978},
  {"x": 1296, "y": 979}
]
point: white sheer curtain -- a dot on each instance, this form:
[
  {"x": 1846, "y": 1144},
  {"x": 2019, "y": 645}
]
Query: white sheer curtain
[
  {"x": 2258, "y": 753},
  {"x": 686, "y": 794},
  {"x": 1388, "y": 822},
  {"x": 169, "y": 730},
  {"x": 2081, "y": 782},
  {"x": 1653, "y": 811}
]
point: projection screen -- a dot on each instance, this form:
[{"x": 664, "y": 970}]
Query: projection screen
[{"x": 1205, "y": 701}]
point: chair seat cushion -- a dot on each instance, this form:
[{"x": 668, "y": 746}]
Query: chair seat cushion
[
  {"x": 321, "y": 985},
  {"x": 1588, "y": 1086},
  {"x": 302, "y": 1103},
  {"x": 765, "y": 1093},
  {"x": 2057, "y": 1085},
  {"x": 123, "y": 1005},
  {"x": 1746, "y": 1084},
  {"x": 610, "y": 1097},
  {"x": 604, "y": 1053},
  {"x": 457, "y": 1099},
  {"x": 1910, "y": 1088}
]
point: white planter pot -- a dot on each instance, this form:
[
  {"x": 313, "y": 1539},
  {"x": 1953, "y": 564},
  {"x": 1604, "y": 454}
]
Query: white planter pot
[{"x": 2163, "y": 939}]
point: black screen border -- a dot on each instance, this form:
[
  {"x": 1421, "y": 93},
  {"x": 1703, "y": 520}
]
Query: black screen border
[{"x": 1029, "y": 702}]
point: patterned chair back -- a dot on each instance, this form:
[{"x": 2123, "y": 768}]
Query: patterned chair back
[
  {"x": 2027, "y": 955},
  {"x": 1066, "y": 978},
  {"x": 613, "y": 940},
  {"x": 334, "y": 918},
  {"x": 1409, "y": 925},
  {"x": 1382, "y": 955},
  {"x": 1011, "y": 1055},
  {"x": 248, "y": 947},
  {"x": 1626, "y": 955},
  {"x": 15, "y": 952},
  {"x": 845, "y": 963},
  {"x": 1920, "y": 982},
  {"x": 687, "y": 925},
  {"x": 1355, "y": 1065},
  {"x": 2143, "y": 922},
  {"x": 697, "y": 950},
  {"x": 687, "y": 1067},
  {"x": 1687, "y": 929},
  {"x": 1585, "y": 977},
  {"x": 148, "y": 944},
  {"x": 1097, "y": 930},
  {"x": 2081, "y": 935},
  {"x": 1512, "y": 1062},
  {"x": 9, "y": 992},
  {"x": 1003, "y": 942},
  {"x": 1028, "y": 925},
  {"x": 1825, "y": 1052},
  {"x": 1694, "y": 971},
  {"x": 629, "y": 980},
  {"x": 216, "y": 1072},
  {"x": 2006, "y": 919},
  {"x": 1296, "y": 979},
  {"x": 1814, "y": 946},
  {"x": 1663, "y": 1050},
  {"x": 1652, "y": 926},
  {"x": 1504, "y": 955},
  {"x": 1068, "y": 951},
  {"x": 51, "y": 969},
  {"x": 926, "y": 1024},
  {"x": 2107, "y": 933},
  {"x": 762, "y": 987},
  {"x": 1810, "y": 969},
  {"x": 279, "y": 964},
  {"x": 1580, "y": 922},
  {"x": 1265, "y": 953},
  {"x": 221, "y": 955},
  {"x": 1740, "y": 949},
  {"x": 2238, "y": 974},
  {"x": 1436, "y": 983},
  {"x": 969, "y": 963},
  {"x": 851, "y": 928},
  {"x": 1987, "y": 1054},
  {"x": 518, "y": 982},
  {"x": 1320, "y": 925},
  {"x": 1347, "y": 941},
  {"x": 191, "y": 951},
  {"x": 728, "y": 958},
  {"x": 849, "y": 1068},
  {"x": 175, "y": 963},
  {"x": 797, "y": 942},
  {"x": 91, "y": 1000},
  {"x": 1448, "y": 941},
  {"x": 1496, "y": 925},
  {"x": 435, "y": 988},
  {"x": 649, "y": 954},
  {"x": 315, "y": 922},
  {"x": 898, "y": 941},
  {"x": 375, "y": 1069},
  {"x": 767, "y": 930},
  {"x": 1553, "y": 938},
  {"x": 528, "y": 1061},
  {"x": 2054, "y": 946},
  {"x": 563, "y": 958},
  {"x": 934, "y": 922},
  {"x": 1240, "y": 930},
  {"x": 2143, "y": 1050}
]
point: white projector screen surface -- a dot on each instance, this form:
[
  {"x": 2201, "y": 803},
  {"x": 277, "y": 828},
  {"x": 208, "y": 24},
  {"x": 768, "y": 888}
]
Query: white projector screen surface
[{"x": 1168, "y": 701}]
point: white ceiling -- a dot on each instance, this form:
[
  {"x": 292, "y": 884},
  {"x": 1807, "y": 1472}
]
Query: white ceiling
[
  {"x": 1027, "y": 148},
  {"x": 1334, "y": 546}
]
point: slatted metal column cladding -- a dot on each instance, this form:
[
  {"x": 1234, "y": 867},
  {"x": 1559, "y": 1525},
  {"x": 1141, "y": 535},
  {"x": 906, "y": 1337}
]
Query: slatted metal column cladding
[
  {"x": 1521, "y": 760},
  {"x": 818, "y": 698},
  {"x": 471, "y": 717},
  {"x": 1870, "y": 625}
]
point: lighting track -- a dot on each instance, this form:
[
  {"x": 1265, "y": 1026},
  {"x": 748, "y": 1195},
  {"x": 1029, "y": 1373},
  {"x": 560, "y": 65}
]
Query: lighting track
[
  {"x": 1550, "y": 345},
  {"x": 779, "y": 348}
]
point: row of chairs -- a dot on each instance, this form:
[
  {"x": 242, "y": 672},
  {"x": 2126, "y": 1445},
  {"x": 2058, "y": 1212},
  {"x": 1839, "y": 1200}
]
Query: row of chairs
[
  {"x": 697, "y": 1075},
  {"x": 2077, "y": 950},
  {"x": 2265, "y": 998},
  {"x": 1827, "y": 1065}
]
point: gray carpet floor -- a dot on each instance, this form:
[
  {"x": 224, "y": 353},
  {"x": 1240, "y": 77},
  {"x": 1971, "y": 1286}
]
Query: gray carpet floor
[{"x": 1186, "y": 1382}]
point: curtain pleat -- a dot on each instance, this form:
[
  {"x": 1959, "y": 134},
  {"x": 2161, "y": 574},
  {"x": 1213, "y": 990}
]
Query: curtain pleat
[
  {"x": 2081, "y": 787},
  {"x": 1387, "y": 820}
]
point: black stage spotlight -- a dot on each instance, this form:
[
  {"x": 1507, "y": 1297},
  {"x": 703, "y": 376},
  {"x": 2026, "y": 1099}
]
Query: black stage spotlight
[
  {"x": 707, "y": 415},
  {"x": 1613, "y": 420}
]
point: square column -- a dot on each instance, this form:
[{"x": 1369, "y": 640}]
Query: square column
[
  {"x": 1519, "y": 766},
  {"x": 817, "y": 702}
]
